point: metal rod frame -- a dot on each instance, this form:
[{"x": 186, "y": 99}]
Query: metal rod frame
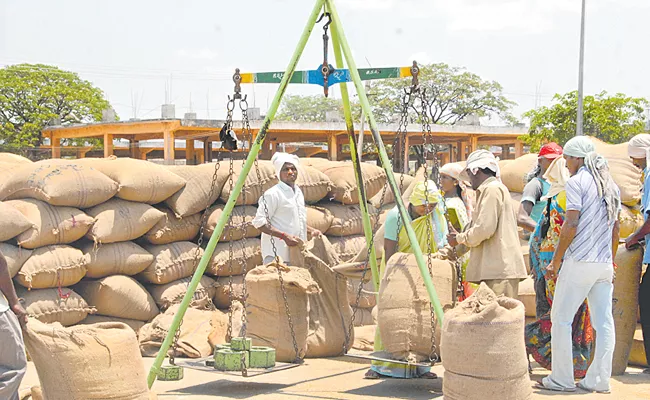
[{"x": 257, "y": 145}]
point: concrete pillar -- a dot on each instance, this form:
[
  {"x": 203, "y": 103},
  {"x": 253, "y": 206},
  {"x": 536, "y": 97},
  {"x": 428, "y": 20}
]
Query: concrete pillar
[
  {"x": 333, "y": 147},
  {"x": 189, "y": 152},
  {"x": 108, "y": 145},
  {"x": 463, "y": 151},
  {"x": 134, "y": 148},
  {"x": 519, "y": 148},
  {"x": 169, "y": 149},
  {"x": 56, "y": 147},
  {"x": 200, "y": 156},
  {"x": 473, "y": 143},
  {"x": 207, "y": 150},
  {"x": 505, "y": 151}
]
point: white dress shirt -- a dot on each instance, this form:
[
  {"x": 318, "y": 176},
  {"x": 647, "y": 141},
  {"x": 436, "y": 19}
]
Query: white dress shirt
[{"x": 286, "y": 213}]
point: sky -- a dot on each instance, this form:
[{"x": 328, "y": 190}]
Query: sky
[{"x": 143, "y": 53}]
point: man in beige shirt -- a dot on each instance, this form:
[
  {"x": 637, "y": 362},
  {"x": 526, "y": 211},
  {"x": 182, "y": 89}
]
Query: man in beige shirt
[{"x": 495, "y": 254}]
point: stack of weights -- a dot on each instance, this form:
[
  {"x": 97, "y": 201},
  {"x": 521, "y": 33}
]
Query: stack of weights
[
  {"x": 483, "y": 350},
  {"x": 240, "y": 354}
]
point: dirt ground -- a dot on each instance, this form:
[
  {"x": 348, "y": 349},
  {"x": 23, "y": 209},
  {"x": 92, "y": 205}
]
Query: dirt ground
[{"x": 342, "y": 378}]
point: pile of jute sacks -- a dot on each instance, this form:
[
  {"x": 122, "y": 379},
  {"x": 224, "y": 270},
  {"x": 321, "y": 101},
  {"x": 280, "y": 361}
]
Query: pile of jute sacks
[{"x": 115, "y": 240}]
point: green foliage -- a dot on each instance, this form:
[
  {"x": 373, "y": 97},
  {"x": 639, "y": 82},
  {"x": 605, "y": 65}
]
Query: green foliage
[
  {"x": 613, "y": 119},
  {"x": 307, "y": 108},
  {"x": 452, "y": 94},
  {"x": 32, "y": 95}
]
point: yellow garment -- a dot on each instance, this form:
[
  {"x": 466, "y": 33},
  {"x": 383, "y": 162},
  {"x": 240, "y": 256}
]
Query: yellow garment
[
  {"x": 421, "y": 227},
  {"x": 425, "y": 194}
]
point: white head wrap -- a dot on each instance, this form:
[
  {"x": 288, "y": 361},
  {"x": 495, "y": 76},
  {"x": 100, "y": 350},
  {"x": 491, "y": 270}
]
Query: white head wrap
[
  {"x": 279, "y": 159},
  {"x": 639, "y": 147},
  {"x": 583, "y": 147},
  {"x": 481, "y": 159}
]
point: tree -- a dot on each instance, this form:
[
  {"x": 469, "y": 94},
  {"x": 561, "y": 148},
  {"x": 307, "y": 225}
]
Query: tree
[
  {"x": 613, "y": 119},
  {"x": 32, "y": 95},
  {"x": 452, "y": 94},
  {"x": 307, "y": 108}
]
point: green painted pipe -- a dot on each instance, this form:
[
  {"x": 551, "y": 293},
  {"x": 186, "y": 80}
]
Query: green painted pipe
[
  {"x": 363, "y": 201},
  {"x": 218, "y": 230},
  {"x": 386, "y": 164}
]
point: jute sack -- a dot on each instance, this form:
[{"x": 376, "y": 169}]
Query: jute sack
[
  {"x": 87, "y": 362},
  {"x": 630, "y": 220},
  {"x": 254, "y": 185},
  {"x": 135, "y": 325},
  {"x": 241, "y": 220},
  {"x": 172, "y": 293},
  {"x": 404, "y": 309},
  {"x": 119, "y": 220},
  {"x": 527, "y": 296},
  {"x": 193, "y": 339},
  {"x": 364, "y": 338},
  {"x": 319, "y": 218},
  {"x": 246, "y": 256},
  {"x": 637, "y": 354},
  {"x": 344, "y": 182},
  {"x": 171, "y": 262},
  {"x": 625, "y": 300},
  {"x": 315, "y": 162},
  {"x": 50, "y": 224},
  {"x": 219, "y": 325},
  {"x": 364, "y": 317},
  {"x": 268, "y": 324},
  {"x": 12, "y": 222},
  {"x": 222, "y": 291},
  {"x": 626, "y": 176},
  {"x": 14, "y": 158},
  {"x": 54, "y": 305},
  {"x": 195, "y": 196},
  {"x": 403, "y": 182},
  {"x": 514, "y": 172},
  {"x": 348, "y": 247},
  {"x": 314, "y": 184},
  {"x": 53, "y": 266},
  {"x": 348, "y": 219},
  {"x": 329, "y": 312},
  {"x": 368, "y": 297},
  {"x": 122, "y": 258},
  {"x": 460, "y": 387},
  {"x": 134, "y": 300},
  {"x": 362, "y": 252},
  {"x": 140, "y": 181},
  {"x": 59, "y": 184},
  {"x": 491, "y": 328},
  {"x": 173, "y": 229},
  {"x": 15, "y": 257}
]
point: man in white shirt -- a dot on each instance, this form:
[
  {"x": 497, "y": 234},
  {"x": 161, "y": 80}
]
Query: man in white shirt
[
  {"x": 13, "y": 362},
  {"x": 281, "y": 213}
]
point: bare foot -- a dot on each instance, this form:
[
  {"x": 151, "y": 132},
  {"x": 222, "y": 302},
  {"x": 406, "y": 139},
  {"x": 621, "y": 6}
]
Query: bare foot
[{"x": 371, "y": 374}]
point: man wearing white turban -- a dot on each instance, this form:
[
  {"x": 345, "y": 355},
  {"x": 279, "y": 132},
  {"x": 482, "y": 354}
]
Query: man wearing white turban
[
  {"x": 281, "y": 213},
  {"x": 639, "y": 151},
  {"x": 495, "y": 254},
  {"x": 585, "y": 251}
]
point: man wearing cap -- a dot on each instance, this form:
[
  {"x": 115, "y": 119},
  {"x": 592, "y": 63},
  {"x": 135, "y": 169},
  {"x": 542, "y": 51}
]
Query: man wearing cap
[
  {"x": 531, "y": 209},
  {"x": 281, "y": 212},
  {"x": 495, "y": 255},
  {"x": 585, "y": 251},
  {"x": 639, "y": 151}
]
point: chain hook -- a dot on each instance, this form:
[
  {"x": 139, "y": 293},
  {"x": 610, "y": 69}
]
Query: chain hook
[{"x": 237, "y": 79}]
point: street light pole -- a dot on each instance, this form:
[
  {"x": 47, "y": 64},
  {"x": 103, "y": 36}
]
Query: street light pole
[{"x": 581, "y": 71}]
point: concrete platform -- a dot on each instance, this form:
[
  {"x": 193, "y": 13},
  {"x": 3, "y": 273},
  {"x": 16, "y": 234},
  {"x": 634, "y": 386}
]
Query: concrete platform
[{"x": 342, "y": 378}]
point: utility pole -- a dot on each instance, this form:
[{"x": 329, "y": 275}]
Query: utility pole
[{"x": 581, "y": 68}]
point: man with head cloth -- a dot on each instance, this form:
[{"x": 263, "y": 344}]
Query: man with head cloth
[
  {"x": 495, "y": 254},
  {"x": 639, "y": 151},
  {"x": 585, "y": 251},
  {"x": 281, "y": 213}
]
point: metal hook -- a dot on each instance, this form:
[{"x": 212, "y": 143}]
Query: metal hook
[
  {"x": 237, "y": 79},
  {"x": 329, "y": 20}
]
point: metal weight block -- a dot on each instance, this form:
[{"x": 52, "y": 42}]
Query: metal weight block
[
  {"x": 170, "y": 373},
  {"x": 240, "y": 344},
  {"x": 230, "y": 360},
  {"x": 262, "y": 357}
]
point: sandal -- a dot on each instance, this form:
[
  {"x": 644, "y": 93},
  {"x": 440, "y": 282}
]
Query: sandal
[
  {"x": 540, "y": 385},
  {"x": 586, "y": 389},
  {"x": 371, "y": 374},
  {"x": 429, "y": 375}
]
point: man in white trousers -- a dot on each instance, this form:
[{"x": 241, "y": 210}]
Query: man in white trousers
[{"x": 586, "y": 250}]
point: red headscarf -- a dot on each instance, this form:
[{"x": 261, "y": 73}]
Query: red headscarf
[{"x": 551, "y": 151}]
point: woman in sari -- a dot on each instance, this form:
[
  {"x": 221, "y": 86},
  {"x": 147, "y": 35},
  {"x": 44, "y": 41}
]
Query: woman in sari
[
  {"x": 546, "y": 237},
  {"x": 428, "y": 221},
  {"x": 459, "y": 209}
]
